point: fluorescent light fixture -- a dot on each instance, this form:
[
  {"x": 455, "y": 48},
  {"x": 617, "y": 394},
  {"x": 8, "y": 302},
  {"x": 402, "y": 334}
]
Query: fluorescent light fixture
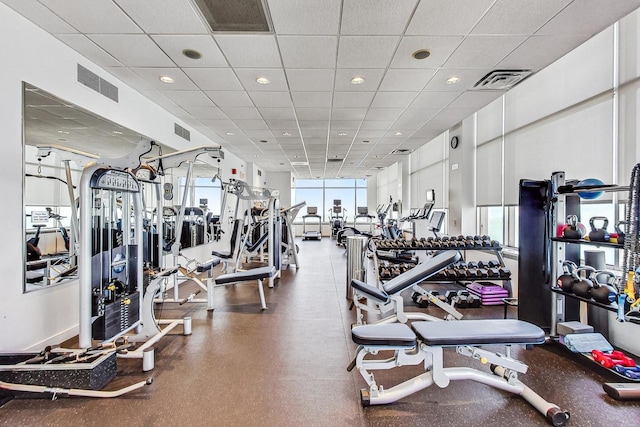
[
  {"x": 262, "y": 81},
  {"x": 452, "y": 80},
  {"x": 357, "y": 80},
  {"x": 166, "y": 79}
]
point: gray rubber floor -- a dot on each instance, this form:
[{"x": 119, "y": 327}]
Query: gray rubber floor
[{"x": 286, "y": 366}]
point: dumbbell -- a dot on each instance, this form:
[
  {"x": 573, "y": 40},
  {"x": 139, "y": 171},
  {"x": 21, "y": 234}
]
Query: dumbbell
[
  {"x": 493, "y": 272},
  {"x": 451, "y": 296},
  {"x": 472, "y": 264},
  {"x": 504, "y": 272},
  {"x": 633, "y": 373},
  {"x": 421, "y": 300},
  {"x": 609, "y": 360}
]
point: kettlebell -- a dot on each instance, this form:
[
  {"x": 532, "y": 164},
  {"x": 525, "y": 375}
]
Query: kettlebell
[
  {"x": 568, "y": 277},
  {"x": 599, "y": 234},
  {"x": 603, "y": 291},
  {"x": 572, "y": 231},
  {"x": 583, "y": 286},
  {"x": 620, "y": 231}
]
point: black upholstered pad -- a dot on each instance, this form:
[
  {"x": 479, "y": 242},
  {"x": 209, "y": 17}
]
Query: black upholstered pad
[
  {"x": 223, "y": 255},
  {"x": 478, "y": 332},
  {"x": 370, "y": 291},
  {"x": 421, "y": 272},
  {"x": 206, "y": 266},
  {"x": 392, "y": 334},
  {"x": 242, "y": 276}
]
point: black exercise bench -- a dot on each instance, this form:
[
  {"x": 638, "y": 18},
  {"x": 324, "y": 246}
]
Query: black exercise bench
[{"x": 258, "y": 274}]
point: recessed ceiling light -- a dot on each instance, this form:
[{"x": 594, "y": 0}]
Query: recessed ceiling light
[
  {"x": 398, "y": 134},
  {"x": 262, "y": 80},
  {"x": 256, "y": 156},
  {"x": 342, "y": 134},
  {"x": 230, "y": 133},
  {"x": 452, "y": 80},
  {"x": 421, "y": 54},
  {"x": 357, "y": 80},
  {"x": 286, "y": 134},
  {"x": 193, "y": 54},
  {"x": 166, "y": 79}
]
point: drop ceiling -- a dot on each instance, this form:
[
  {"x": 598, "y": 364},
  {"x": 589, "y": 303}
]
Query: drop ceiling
[{"x": 310, "y": 115}]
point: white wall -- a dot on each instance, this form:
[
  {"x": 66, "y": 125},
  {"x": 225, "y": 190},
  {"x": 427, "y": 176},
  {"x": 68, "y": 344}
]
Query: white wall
[{"x": 51, "y": 315}]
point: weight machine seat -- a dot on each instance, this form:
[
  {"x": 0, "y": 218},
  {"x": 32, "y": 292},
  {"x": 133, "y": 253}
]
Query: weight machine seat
[
  {"x": 409, "y": 278},
  {"x": 392, "y": 334},
  {"x": 259, "y": 273},
  {"x": 478, "y": 332},
  {"x": 235, "y": 235},
  {"x": 208, "y": 265}
]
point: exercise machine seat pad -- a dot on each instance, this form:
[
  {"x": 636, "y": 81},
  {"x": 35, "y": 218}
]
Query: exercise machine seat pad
[
  {"x": 371, "y": 291},
  {"x": 421, "y": 272},
  {"x": 206, "y": 266},
  {"x": 243, "y": 276},
  {"x": 223, "y": 255},
  {"x": 392, "y": 334},
  {"x": 478, "y": 332}
]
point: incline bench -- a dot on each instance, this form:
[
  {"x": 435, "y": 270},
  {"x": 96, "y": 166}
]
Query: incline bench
[
  {"x": 423, "y": 342},
  {"x": 389, "y": 298},
  {"x": 258, "y": 274}
]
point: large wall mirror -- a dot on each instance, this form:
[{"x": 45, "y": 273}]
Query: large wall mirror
[{"x": 60, "y": 138}]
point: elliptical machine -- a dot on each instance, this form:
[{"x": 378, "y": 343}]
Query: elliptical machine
[{"x": 337, "y": 218}]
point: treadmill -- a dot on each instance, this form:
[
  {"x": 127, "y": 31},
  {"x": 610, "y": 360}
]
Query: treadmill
[{"x": 312, "y": 212}]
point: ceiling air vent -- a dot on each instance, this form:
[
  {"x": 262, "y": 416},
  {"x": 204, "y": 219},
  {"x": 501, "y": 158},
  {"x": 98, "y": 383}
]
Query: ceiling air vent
[
  {"x": 335, "y": 160},
  {"x": 501, "y": 79},
  {"x": 402, "y": 151},
  {"x": 235, "y": 15},
  {"x": 97, "y": 83}
]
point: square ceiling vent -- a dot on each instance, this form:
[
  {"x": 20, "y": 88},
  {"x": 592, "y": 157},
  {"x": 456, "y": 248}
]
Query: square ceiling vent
[
  {"x": 502, "y": 79},
  {"x": 402, "y": 151},
  {"x": 236, "y": 15}
]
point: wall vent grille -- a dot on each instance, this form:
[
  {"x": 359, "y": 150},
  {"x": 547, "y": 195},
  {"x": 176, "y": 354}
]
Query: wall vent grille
[
  {"x": 181, "y": 132},
  {"x": 97, "y": 83}
]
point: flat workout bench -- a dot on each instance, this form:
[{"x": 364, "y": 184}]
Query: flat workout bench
[
  {"x": 388, "y": 299},
  {"x": 424, "y": 342},
  {"x": 258, "y": 274}
]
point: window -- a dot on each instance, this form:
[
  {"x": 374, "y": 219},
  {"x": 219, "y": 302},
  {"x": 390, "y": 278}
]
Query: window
[
  {"x": 491, "y": 222},
  {"x": 590, "y": 210},
  {"x": 204, "y": 189},
  {"x": 321, "y": 193}
]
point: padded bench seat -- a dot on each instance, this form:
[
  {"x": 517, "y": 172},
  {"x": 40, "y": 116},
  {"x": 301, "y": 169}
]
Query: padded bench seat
[
  {"x": 208, "y": 265},
  {"x": 259, "y": 273},
  {"x": 478, "y": 332},
  {"x": 393, "y": 334}
]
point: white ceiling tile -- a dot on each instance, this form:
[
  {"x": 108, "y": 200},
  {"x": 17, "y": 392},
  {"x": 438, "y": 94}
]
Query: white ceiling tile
[
  {"x": 345, "y": 125},
  {"x": 587, "y": 17},
  {"x": 259, "y": 134},
  {"x": 440, "y": 48},
  {"x": 205, "y": 112},
  {"x": 250, "y": 51},
  {"x": 314, "y": 124},
  {"x": 369, "y": 17},
  {"x": 483, "y": 51},
  {"x": 468, "y": 78},
  {"x": 174, "y": 45},
  {"x": 539, "y": 51},
  {"x": 311, "y": 99},
  {"x": 129, "y": 77},
  {"x": 383, "y": 113},
  {"x": 301, "y": 80},
  {"x": 313, "y": 113},
  {"x": 276, "y": 78},
  {"x": 393, "y": 99},
  {"x": 352, "y": 99},
  {"x": 214, "y": 78},
  {"x": 435, "y": 99},
  {"x": 271, "y": 99},
  {"x": 305, "y": 16},
  {"x": 308, "y": 51},
  {"x": 375, "y": 125},
  {"x": 348, "y": 113},
  {"x": 188, "y": 98},
  {"x": 152, "y": 76},
  {"x": 229, "y": 98},
  {"x": 242, "y": 113},
  {"x": 41, "y": 16},
  {"x": 366, "y": 52},
  {"x": 251, "y": 124},
  {"x": 164, "y": 16},
  {"x": 402, "y": 80},
  {"x": 370, "y": 134},
  {"x": 414, "y": 118},
  {"x": 518, "y": 16},
  {"x": 133, "y": 50},
  {"x": 314, "y": 133},
  {"x": 222, "y": 125},
  {"x": 98, "y": 16},
  {"x": 282, "y": 113},
  {"x": 474, "y": 99},
  {"x": 372, "y": 79},
  {"x": 81, "y": 44},
  {"x": 447, "y": 17},
  {"x": 283, "y": 124}
]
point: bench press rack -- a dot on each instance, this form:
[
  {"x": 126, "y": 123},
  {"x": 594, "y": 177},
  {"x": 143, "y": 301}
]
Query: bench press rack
[{"x": 425, "y": 341}]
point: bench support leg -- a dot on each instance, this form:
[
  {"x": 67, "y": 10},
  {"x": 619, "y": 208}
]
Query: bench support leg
[
  {"x": 261, "y": 290},
  {"x": 209, "y": 292}
]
